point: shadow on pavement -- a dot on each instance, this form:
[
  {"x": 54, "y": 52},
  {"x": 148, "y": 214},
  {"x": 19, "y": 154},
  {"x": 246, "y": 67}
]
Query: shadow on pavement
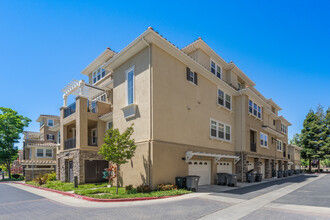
[{"x": 265, "y": 185}]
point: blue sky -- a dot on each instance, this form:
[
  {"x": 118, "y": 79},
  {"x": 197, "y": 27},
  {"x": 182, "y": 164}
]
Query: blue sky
[{"x": 283, "y": 46}]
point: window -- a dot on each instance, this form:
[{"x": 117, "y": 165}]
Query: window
[
  {"x": 255, "y": 109},
  {"x": 109, "y": 124},
  {"x": 273, "y": 122},
  {"x": 50, "y": 122},
  {"x": 49, "y": 153},
  {"x": 50, "y": 137},
  {"x": 213, "y": 128},
  {"x": 98, "y": 74},
  {"x": 239, "y": 86},
  {"x": 30, "y": 152},
  {"x": 224, "y": 99},
  {"x": 94, "y": 136},
  {"x": 130, "y": 85},
  {"x": 191, "y": 76},
  {"x": 250, "y": 106},
  {"x": 40, "y": 152},
  {"x": 279, "y": 145},
  {"x": 283, "y": 128},
  {"x": 220, "y": 130},
  {"x": 41, "y": 122},
  {"x": 58, "y": 137},
  {"x": 216, "y": 69},
  {"x": 263, "y": 140}
]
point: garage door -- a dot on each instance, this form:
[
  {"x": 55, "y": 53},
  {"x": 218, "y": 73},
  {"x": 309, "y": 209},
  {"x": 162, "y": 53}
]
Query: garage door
[
  {"x": 225, "y": 167},
  {"x": 201, "y": 168}
]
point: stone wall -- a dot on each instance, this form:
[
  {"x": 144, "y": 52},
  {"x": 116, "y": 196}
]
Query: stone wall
[
  {"x": 30, "y": 175},
  {"x": 242, "y": 165},
  {"x": 268, "y": 169},
  {"x": 78, "y": 157}
]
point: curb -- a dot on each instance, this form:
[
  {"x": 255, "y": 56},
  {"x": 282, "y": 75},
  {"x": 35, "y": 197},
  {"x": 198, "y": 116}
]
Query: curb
[{"x": 94, "y": 199}]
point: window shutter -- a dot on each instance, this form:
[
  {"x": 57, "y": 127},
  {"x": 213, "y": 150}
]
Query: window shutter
[
  {"x": 195, "y": 78},
  {"x": 188, "y": 74}
]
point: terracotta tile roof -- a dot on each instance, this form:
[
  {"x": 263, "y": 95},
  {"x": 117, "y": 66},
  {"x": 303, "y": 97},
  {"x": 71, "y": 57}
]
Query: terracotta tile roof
[{"x": 33, "y": 162}]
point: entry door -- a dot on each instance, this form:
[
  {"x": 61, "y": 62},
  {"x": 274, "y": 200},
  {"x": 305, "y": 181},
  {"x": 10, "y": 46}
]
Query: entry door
[
  {"x": 225, "y": 167},
  {"x": 94, "y": 170},
  {"x": 71, "y": 171},
  {"x": 201, "y": 168},
  {"x": 253, "y": 147}
]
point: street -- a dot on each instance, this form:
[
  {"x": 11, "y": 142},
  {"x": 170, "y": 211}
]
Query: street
[{"x": 299, "y": 197}]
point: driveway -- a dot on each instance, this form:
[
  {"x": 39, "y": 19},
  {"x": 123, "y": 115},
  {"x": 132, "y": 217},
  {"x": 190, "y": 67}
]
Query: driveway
[{"x": 284, "y": 199}]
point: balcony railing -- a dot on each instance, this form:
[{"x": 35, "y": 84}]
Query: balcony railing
[
  {"x": 92, "y": 106},
  {"x": 70, "y": 143},
  {"x": 92, "y": 141},
  {"x": 253, "y": 147},
  {"x": 70, "y": 110}
]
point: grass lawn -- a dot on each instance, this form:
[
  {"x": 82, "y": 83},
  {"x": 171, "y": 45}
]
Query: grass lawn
[
  {"x": 110, "y": 193},
  {"x": 63, "y": 186},
  {"x": 101, "y": 191}
]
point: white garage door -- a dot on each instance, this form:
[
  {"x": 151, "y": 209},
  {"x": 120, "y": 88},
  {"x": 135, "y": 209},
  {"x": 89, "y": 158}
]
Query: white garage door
[
  {"x": 225, "y": 167},
  {"x": 201, "y": 168}
]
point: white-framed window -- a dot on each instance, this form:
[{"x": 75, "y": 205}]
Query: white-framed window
[
  {"x": 219, "y": 130},
  {"x": 130, "y": 85},
  {"x": 49, "y": 152},
  {"x": 239, "y": 86},
  {"x": 58, "y": 137},
  {"x": 263, "y": 140},
  {"x": 40, "y": 153},
  {"x": 50, "y": 137},
  {"x": 50, "y": 122},
  {"x": 94, "y": 136},
  {"x": 224, "y": 99},
  {"x": 279, "y": 145},
  {"x": 255, "y": 109},
  {"x": 283, "y": 128},
  {"x": 191, "y": 76},
  {"x": 98, "y": 74},
  {"x": 109, "y": 124},
  {"x": 216, "y": 69}
]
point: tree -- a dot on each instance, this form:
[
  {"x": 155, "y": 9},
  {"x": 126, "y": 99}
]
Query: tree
[
  {"x": 296, "y": 139},
  {"x": 118, "y": 148},
  {"x": 11, "y": 125},
  {"x": 326, "y": 136}
]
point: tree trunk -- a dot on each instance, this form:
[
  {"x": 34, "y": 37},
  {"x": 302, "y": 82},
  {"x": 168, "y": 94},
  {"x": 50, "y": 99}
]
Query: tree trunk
[
  {"x": 309, "y": 165},
  {"x": 9, "y": 172},
  {"x": 117, "y": 181},
  {"x": 318, "y": 165}
]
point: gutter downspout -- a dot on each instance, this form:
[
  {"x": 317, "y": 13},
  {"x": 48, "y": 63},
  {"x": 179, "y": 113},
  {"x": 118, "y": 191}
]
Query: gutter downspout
[
  {"x": 242, "y": 173},
  {"x": 151, "y": 116}
]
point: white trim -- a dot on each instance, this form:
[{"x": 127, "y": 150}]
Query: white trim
[
  {"x": 190, "y": 154},
  {"x": 224, "y": 99},
  {"x": 258, "y": 106},
  {"x": 279, "y": 141},
  {"x": 264, "y": 135},
  {"x": 126, "y": 73},
  {"x": 92, "y": 130},
  {"x": 43, "y": 152},
  {"x": 216, "y": 69},
  {"x": 108, "y": 124}
]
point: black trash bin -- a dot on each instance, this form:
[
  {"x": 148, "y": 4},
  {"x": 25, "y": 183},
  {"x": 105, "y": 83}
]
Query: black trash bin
[
  {"x": 258, "y": 177},
  {"x": 290, "y": 173},
  {"x": 285, "y": 173},
  {"x": 232, "y": 179},
  {"x": 279, "y": 174},
  {"x": 300, "y": 171},
  {"x": 250, "y": 177},
  {"x": 180, "y": 182},
  {"x": 273, "y": 173},
  {"x": 222, "y": 179},
  {"x": 192, "y": 182}
]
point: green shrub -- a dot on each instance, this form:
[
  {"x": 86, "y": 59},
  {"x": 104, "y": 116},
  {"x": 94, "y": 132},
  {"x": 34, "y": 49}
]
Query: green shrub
[
  {"x": 41, "y": 179},
  {"x": 15, "y": 176},
  {"x": 143, "y": 189},
  {"x": 166, "y": 187},
  {"x": 128, "y": 188},
  {"x": 52, "y": 176}
]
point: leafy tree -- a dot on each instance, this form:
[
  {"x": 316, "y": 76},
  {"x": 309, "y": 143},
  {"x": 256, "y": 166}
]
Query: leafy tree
[
  {"x": 296, "y": 139},
  {"x": 118, "y": 148},
  {"x": 326, "y": 136},
  {"x": 11, "y": 125}
]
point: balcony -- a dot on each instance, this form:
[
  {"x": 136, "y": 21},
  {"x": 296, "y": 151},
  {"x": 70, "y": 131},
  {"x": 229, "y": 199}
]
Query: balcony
[
  {"x": 70, "y": 143},
  {"x": 70, "y": 110}
]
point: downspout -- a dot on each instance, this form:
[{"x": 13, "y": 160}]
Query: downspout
[
  {"x": 151, "y": 116},
  {"x": 242, "y": 162}
]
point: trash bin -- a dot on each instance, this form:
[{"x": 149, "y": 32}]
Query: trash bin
[
  {"x": 222, "y": 179},
  {"x": 232, "y": 179},
  {"x": 273, "y": 173},
  {"x": 285, "y": 173},
  {"x": 250, "y": 177},
  {"x": 180, "y": 182},
  {"x": 192, "y": 182},
  {"x": 258, "y": 177},
  {"x": 300, "y": 171},
  {"x": 279, "y": 174}
]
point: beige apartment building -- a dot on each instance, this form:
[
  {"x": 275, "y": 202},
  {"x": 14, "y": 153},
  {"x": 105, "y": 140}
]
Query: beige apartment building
[
  {"x": 39, "y": 148},
  {"x": 193, "y": 114},
  {"x": 294, "y": 157}
]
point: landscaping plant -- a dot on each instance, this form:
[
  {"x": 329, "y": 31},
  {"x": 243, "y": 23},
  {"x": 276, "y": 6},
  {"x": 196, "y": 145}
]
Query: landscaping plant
[{"x": 41, "y": 179}]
